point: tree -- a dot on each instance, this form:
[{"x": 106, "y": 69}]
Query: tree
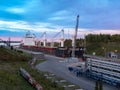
[
  {"x": 100, "y": 85},
  {"x": 96, "y": 85},
  {"x": 68, "y": 43}
]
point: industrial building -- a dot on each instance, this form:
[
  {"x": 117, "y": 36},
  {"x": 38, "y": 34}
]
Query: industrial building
[
  {"x": 99, "y": 69},
  {"x": 107, "y": 71}
]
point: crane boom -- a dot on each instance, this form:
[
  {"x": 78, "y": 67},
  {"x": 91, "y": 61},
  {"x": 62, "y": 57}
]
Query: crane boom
[
  {"x": 76, "y": 29},
  {"x": 75, "y": 36}
]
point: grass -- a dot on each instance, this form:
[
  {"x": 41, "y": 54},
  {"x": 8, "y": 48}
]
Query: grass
[
  {"x": 10, "y": 78},
  {"x": 98, "y": 48},
  {"x": 66, "y": 83},
  {"x": 39, "y": 61}
]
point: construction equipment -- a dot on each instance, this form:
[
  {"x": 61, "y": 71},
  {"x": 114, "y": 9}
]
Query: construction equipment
[
  {"x": 61, "y": 33},
  {"x": 74, "y": 37}
]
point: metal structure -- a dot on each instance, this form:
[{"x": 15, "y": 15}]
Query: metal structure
[
  {"x": 62, "y": 38},
  {"x": 29, "y": 39},
  {"x": 30, "y": 79},
  {"x": 75, "y": 36},
  {"x": 98, "y": 69},
  {"x": 9, "y": 42},
  {"x": 108, "y": 72},
  {"x": 44, "y": 41},
  {"x": 4, "y": 42}
]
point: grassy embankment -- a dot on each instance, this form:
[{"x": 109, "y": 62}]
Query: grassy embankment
[
  {"x": 101, "y": 48},
  {"x": 10, "y": 78}
]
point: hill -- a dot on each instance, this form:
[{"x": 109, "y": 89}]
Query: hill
[{"x": 10, "y": 79}]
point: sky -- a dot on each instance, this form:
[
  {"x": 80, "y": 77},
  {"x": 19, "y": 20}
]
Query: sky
[{"x": 51, "y": 16}]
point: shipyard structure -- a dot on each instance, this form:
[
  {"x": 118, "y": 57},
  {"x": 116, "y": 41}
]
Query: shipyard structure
[
  {"x": 106, "y": 70},
  {"x": 30, "y": 42}
]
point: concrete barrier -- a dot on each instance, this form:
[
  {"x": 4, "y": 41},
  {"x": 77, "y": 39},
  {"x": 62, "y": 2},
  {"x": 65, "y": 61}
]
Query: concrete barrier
[{"x": 31, "y": 80}]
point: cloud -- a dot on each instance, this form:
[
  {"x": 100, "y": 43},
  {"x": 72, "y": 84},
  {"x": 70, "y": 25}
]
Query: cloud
[
  {"x": 60, "y": 18},
  {"x": 16, "y": 10},
  {"x": 40, "y": 27},
  {"x": 57, "y": 18},
  {"x": 69, "y": 32},
  {"x": 21, "y": 26},
  {"x": 61, "y": 13}
]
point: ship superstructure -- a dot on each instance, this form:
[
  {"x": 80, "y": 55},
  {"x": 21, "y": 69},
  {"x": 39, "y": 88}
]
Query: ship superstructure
[{"x": 29, "y": 39}]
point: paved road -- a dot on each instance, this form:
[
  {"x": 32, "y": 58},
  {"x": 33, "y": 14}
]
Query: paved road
[{"x": 59, "y": 68}]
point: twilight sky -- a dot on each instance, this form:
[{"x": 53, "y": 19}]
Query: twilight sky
[{"x": 96, "y": 16}]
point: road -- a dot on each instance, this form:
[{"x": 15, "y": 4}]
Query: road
[{"x": 59, "y": 67}]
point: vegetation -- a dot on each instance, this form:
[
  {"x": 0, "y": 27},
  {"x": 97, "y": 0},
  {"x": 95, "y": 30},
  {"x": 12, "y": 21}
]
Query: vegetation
[
  {"x": 10, "y": 78},
  {"x": 79, "y": 42},
  {"x": 101, "y": 85},
  {"x": 98, "y": 43},
  {"x": 102, "y": 38},
  {"x": 39, "y": 61},
  {"x": 96, "y": 85},
  {"x": 102, "y": 43},
  {"x": 68, "y": 43},
  {"x": 7, "y": 54}
]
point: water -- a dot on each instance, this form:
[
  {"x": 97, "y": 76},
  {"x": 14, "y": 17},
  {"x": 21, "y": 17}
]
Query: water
[{"x": 12, "y": 44}]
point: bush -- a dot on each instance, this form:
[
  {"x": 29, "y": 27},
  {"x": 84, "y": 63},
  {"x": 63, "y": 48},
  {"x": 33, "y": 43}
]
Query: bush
[
  {"x": 11, "y": 47},
  {"x": 19, "y": 51}
]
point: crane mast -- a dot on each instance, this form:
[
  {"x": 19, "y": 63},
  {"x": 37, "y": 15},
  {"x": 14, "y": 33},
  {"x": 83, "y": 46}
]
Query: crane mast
[
  {"x": 62, "y": 38},
  {"x": 75, "y": 36}
]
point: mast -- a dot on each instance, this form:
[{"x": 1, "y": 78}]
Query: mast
[
  {"x": 44, "y": 41},
  {"x": 75, "y": 36},
  {"x": 62, "y": 38}
]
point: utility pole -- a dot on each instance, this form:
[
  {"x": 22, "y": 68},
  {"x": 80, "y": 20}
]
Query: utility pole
[{"x": 75, "y": 36}]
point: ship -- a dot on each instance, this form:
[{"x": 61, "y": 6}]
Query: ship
[{"x": 29, "y": 40}]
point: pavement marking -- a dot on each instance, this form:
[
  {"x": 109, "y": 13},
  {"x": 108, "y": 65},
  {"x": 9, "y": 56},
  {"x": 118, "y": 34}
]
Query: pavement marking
[
  {"x": 51, "y": 74},
  {"x": 71, "y": 85},
  {"x": 46, "y": 75},
  {"x": 61, "y": 61},
  {"x": 63, "y": 81},
  {"x": 56, "y": 81},
  {"x": 49, "y": 77},
  {"x": 64, "y": 86}
]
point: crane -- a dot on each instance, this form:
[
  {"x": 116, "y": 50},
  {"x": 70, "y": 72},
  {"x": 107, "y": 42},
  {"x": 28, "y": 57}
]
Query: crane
[
  {"x": 75, "y": 36},
  {"x": 62, "y": 38},
  {"x": 44, "y": 39}
]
